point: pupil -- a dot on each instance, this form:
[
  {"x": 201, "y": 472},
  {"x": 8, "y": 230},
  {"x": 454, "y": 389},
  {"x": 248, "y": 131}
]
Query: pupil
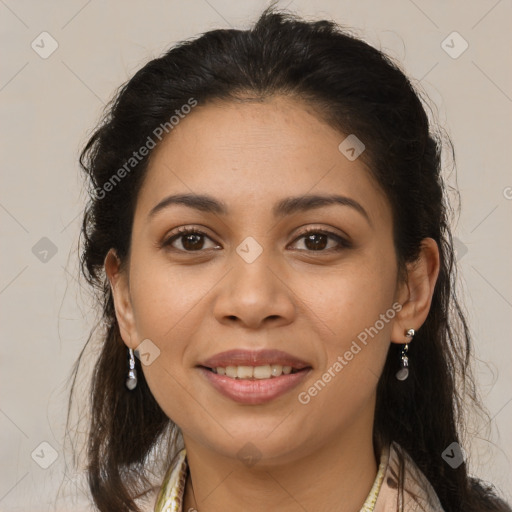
[
  {"x": 316, "y": 244},
  {"x": 190, "y": 241}
]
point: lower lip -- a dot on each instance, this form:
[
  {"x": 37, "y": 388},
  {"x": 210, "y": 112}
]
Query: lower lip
[{"x": 257, "y": 391}]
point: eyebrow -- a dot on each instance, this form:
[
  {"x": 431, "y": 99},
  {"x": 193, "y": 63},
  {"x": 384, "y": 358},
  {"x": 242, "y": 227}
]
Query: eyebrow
[{"x": 286, "y": 206}]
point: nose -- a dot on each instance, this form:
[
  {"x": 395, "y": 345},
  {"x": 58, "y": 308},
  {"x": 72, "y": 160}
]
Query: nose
[{"x": 255, "y": 295}]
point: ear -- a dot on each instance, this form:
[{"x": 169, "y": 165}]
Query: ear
[
  {"x": 416, "y": 293},
  {"x": 122, "y": 301}
]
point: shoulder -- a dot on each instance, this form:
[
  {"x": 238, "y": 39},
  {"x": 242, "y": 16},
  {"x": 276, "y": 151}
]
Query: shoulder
[
  {"x": 167, "y": 496},
  {"x": 418, "y": 495},
  {"x": 148, "y": 502},
  {"x": 486, "y": 498}
]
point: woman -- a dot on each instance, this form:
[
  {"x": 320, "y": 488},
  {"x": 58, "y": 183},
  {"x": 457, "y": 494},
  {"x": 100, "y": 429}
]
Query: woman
[{"x": 269, "y": 235}]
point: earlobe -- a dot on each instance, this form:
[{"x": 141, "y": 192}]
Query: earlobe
[
  {"x": 121, "y": 296},
  {"x": 417, "y": 292}
]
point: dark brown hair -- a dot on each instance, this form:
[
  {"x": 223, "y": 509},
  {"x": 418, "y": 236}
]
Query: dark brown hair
[{"x": 357, "y": 90}]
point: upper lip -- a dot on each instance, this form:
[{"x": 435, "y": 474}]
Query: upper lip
[{"x": 240, "y": 357}]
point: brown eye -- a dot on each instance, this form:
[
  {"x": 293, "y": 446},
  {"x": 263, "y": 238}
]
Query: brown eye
[
  {"x": 191, "y": 240},
  {"x": 318, "y": 240},
  {"x": 315, "y": 240}
]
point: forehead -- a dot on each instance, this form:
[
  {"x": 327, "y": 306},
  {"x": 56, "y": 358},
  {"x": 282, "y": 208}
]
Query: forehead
[{"x": 256, "y": 152}]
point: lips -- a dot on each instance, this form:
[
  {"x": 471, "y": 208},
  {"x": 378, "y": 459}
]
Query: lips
[{"x": 236, "y": 374}]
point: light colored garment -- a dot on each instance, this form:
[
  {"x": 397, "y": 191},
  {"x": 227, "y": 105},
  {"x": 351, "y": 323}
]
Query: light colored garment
[{"x": 418, "y": 496}]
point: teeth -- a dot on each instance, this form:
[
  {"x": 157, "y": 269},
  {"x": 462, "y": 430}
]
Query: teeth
[
  {"x": 244, "y": 372},
  {"x": 257, "y": 372},
  {"x": 276, "y": 370},
  {"x": 231, "y": 371},
  {"x": 262, "y": 372}
]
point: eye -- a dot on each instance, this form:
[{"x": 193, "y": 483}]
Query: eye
[
  {"x": 317, "y": 240},
  {"x": 190, "y": 239}
]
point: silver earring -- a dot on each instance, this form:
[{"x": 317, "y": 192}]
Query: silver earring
[
  {"x": 131, "y": 380},
  {"x": 403, "y": 372}
]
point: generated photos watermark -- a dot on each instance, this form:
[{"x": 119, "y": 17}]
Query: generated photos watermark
[
  {"x": 305, "y": 397},
  {"x": 137, "y": 156}
]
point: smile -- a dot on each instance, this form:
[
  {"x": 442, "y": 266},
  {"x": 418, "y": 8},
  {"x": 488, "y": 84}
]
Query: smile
[
  {"x": 254, "y": 377},
  {"x": 254, "y": 372}
]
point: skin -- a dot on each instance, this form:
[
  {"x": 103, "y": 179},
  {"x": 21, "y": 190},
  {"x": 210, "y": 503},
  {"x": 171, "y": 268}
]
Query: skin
[{"x": 309, "y": 303}]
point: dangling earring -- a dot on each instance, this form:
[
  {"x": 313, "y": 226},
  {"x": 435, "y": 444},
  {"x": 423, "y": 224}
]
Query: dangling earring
[
  {"x": 403, "y": 372},
  {"x": 131, "y": 380}
]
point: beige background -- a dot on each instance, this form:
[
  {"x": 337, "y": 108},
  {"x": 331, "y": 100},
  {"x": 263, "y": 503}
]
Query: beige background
[{"x": 50, "y": 105}]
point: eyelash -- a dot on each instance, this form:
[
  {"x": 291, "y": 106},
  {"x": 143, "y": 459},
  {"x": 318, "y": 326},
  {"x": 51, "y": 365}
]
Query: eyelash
[{"x": 343, "y": 244}]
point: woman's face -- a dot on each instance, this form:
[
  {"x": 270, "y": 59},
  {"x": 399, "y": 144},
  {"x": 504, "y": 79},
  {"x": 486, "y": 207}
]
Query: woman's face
[{"x": 253, "y": 281}]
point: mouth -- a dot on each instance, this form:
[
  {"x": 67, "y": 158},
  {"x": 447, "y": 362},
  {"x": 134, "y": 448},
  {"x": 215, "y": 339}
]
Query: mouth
[
  {"x": 254, "y": 377},
  {"x": 254, "y": 364},
  {"x": 268, "y": 371}
]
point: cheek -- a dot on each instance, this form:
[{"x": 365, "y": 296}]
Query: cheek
[
  {"x": 356, "y": 303},
  {"x": 166, "y": 299},
  {"x": 169, "y": 318},
  {"x": 167, "y": 311},
  {"x": 351, "y": 298},
  {"x": 360, "y": 317}
]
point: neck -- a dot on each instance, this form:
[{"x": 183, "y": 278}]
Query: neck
[{"x": 336, "y": 476}]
